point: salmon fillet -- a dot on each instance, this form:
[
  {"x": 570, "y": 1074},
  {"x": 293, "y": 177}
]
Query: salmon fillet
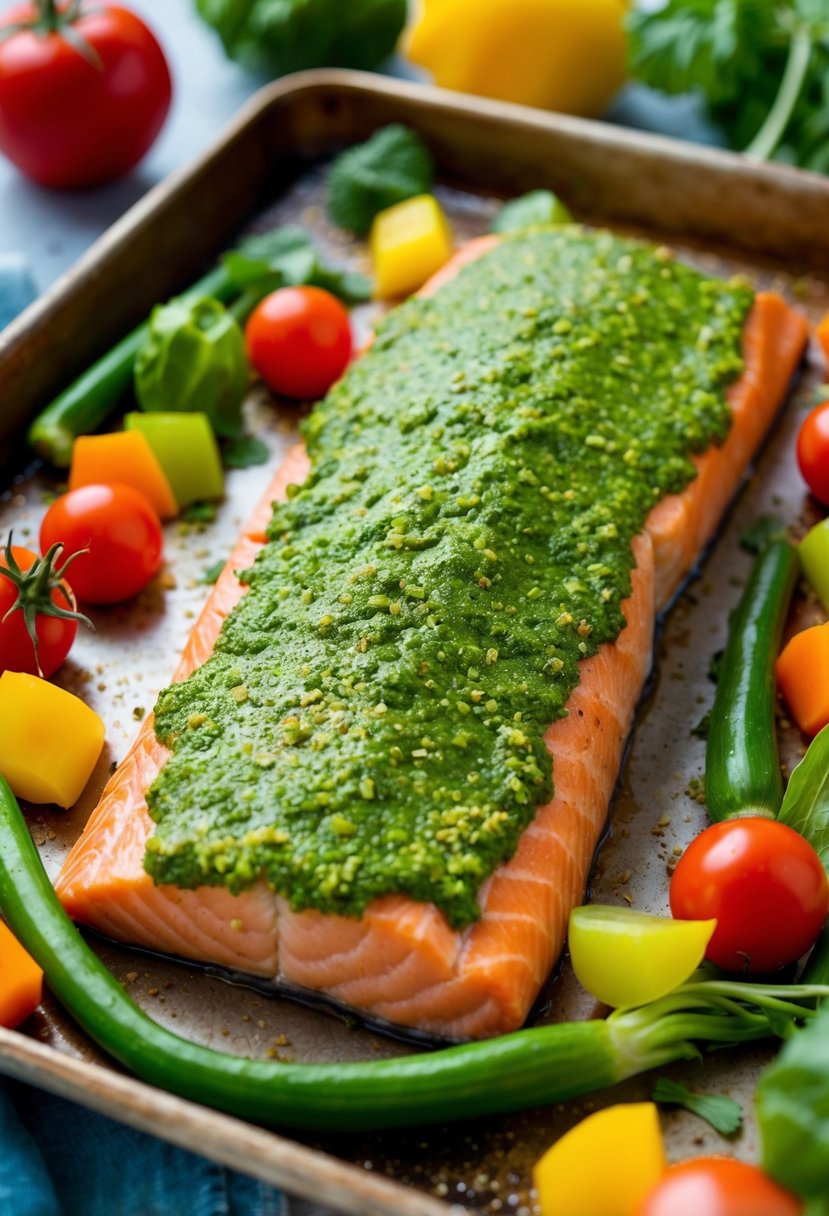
[{"x": 401, "y": 961}]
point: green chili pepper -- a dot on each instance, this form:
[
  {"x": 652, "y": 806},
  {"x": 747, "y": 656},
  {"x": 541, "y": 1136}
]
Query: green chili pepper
[
  {"x": 525, "y": 1069},
  {"x": 742, "y": 771}
]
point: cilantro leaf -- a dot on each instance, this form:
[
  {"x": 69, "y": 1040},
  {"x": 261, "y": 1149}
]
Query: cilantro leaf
[
  {"x": 723, "y": 1113},
  {"x": 390, "y": 167}
]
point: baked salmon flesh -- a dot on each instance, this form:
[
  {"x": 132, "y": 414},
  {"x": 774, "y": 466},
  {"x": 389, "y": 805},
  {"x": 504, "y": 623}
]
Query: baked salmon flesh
[{"x": 400, "y": 961}]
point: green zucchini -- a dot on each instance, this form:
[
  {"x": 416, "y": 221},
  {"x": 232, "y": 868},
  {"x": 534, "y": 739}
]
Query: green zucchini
[{"x": 742, "y": 769}]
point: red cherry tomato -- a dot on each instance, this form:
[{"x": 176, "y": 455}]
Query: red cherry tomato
[
  {"x": 81, "y": 103},
  {"x": 122, "y": 533},
  {"x": 813, "y": 452},
  {"x": 718, "y": 1186},
  {"x": 55, "y": 634},
  {"x": 765, "y": 885},
  {"x": 299, "y": 341}
]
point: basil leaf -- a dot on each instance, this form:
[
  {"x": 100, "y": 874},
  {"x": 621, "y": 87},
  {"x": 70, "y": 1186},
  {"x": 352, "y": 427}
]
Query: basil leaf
[
  {"x": 531, "y": 210},
  {"x": 287, "y": 257},
  {"x": 721, "y": 1112},
  {"x": 392, "y": 166},
  {"x": 793, "y": 1112},
  {"x": 806, "y": 801}
]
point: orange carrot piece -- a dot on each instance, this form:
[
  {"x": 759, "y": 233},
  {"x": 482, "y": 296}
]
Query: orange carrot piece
[
  {"x": 822, "y": 334},
  {"x": 21, "y": 981},
  {"x": 803, "y": 678},
  {"x": 125, "y": 457}
]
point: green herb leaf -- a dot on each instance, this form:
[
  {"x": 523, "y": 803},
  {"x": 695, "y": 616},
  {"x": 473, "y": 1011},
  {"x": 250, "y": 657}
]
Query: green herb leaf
[
  {"x": 806, "y": 801},
  {"x": 765, "y": 529},
  {"x": 392, "y": 166},
  {"x": 212, "y": 573},
  {"x": 760, "y": 66},
  {"x": 288, "y": 257},
  {"x": 793, "y": 1112},
  {"x": 723, "y": 1113},
  {"x": 199, "y": 513},
  {"x": 531, "y": 210},
  {"x": 243, "y": 452},
  {"x": 281, "y": 36}
]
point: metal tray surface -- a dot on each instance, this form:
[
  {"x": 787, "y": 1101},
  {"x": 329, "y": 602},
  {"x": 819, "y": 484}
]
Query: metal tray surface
[{"x": 716, "y": 210}]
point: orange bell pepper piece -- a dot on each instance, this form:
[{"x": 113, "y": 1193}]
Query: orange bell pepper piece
[
  {"x": 125, "y": 457},
  {"x": 21, "y": 981},
  {"x": 803, "y": 678}
]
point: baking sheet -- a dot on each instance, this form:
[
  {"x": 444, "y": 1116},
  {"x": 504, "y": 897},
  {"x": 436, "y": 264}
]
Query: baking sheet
[{"x": 485, "y": 1165}]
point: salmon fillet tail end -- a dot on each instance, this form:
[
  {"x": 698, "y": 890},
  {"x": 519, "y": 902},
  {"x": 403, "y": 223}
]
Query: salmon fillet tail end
[{"x": 400, "y": 961}]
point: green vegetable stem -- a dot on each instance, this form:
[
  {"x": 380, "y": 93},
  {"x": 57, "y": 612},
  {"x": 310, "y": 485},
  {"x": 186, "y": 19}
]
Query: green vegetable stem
[
  {"x": 258, "y": 265},
  {"x": 742, "y": 771},
  {"x": 528, "y": 1068}
]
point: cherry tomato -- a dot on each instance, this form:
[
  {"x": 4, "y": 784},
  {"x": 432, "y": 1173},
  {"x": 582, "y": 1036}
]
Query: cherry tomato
[
  {"x": 765, "y": 885},
  {"x": 299, "y": 341},
  {"x": 82, "y": 98},
  {"x": 122, "y": 533},
  {"x": 55, "y": 634},
  {"x": 718, "y": 1186},
  {"x": 813, "y": 452}
]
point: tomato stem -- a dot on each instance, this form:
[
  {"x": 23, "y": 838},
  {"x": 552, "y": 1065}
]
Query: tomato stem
[{"x": 34, "y": 590}]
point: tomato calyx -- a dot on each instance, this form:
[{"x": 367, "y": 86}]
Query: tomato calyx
[
  {"x": 34, "y": 588},
  {"x": 50, "y": 18}
]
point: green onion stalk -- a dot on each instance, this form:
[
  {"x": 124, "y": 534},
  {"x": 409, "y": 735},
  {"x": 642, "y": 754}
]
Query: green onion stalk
[{"x": 528, "y": 1068}]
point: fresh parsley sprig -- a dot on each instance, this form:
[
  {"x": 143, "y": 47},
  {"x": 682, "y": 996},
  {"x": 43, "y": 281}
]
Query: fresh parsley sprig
[{"x": 761, "y": 66}]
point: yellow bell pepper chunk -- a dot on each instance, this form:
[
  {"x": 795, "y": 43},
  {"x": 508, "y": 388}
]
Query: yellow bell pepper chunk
[
  {"x": 565, "y": 55},
  {"x": 625, "y": 957},
  {"x": 50, "y": 740},
  {"x": 605, "y": 1165},
  {"x": 409, "y": 242}
]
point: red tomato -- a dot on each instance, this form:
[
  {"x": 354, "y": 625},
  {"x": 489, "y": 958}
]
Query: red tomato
[
  {"x": 299, "y": 341},
  {"x": 122, "y": 533},
  {"x": 55, "y": 634},
  {"x": 813, "y": 452},
  {"x": 718, "y": 1186},
  {"x": 71, "y": 117},
  {"x": 765, "y": 885}
]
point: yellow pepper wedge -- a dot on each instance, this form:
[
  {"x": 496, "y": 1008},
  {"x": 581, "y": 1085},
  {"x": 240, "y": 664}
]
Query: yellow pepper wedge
[
  {"x": 565, "y": 55},
  {"x": 50, "y": 740},
  {"x": 409, "y": 242},
  {"x": 605, "y": 1165}
]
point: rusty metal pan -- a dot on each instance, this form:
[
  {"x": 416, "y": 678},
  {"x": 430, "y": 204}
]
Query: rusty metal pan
[{"x": 721, "y": 212}]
